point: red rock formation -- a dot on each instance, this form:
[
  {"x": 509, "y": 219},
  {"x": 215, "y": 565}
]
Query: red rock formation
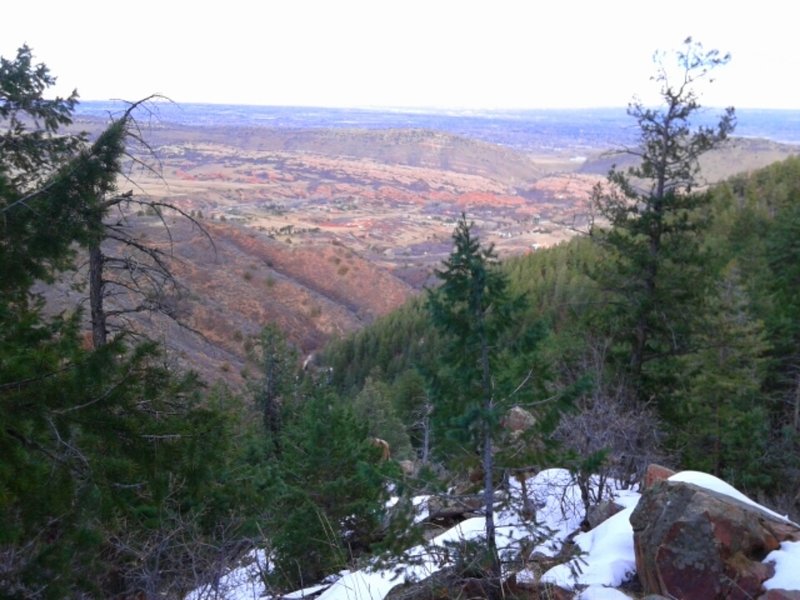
[
  {"x": 694, "y": 543},
  {"x": 781, "y": 595}
]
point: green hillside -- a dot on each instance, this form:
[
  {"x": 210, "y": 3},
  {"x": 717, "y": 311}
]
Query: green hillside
[{"x": 730, "y": 386}]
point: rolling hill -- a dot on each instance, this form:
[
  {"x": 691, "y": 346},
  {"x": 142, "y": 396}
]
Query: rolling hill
[{"x": 323, "y": 230}]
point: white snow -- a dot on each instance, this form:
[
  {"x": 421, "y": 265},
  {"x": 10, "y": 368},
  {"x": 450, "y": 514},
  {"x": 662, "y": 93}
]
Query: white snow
[
  {"x": 557, "y": 502},
  {"x": 607, "y": 557},
  {"x": 597, "y": 592},
  {"x": 559, "y": 512},
  {"x": 607, "y": 551},
  {"x": 606, "y": 560},
  {"x": 420, "y": 504},
  {"x": 242, "y": 583},
  {"x": 787, "y": 567},
  {"x": 361, "y": 586},
  {"x": 374, "y": 585},
  {"x": 715, "y": 484}
]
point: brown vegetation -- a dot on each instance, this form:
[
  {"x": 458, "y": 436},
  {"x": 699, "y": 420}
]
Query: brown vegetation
[{"x": 321, "y": 231}]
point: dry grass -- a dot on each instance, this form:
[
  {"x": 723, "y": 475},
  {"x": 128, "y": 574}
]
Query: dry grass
[{"x": 322, "y": 231}]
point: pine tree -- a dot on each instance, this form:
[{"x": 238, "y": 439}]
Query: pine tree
[
  {"x": 474, "y": 310},
  {"x": 327, "y": 490},
  {"x": 372, "y": 405},
  {"x": 653, "y": 215},
  {"x": 108, "y": 456},
  {"x": 278, "y": 362},
  {"x": 41, "y": 173},
  {"x": 724, "y": 423},
  {"x": 783, "y": 259}
]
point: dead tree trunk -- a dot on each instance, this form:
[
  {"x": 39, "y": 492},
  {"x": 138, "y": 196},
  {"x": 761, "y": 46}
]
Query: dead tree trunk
[{"x": 96, "y": 293}]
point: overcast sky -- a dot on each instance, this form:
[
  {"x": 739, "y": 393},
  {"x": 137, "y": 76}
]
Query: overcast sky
[{"x": 406, "y": 53}]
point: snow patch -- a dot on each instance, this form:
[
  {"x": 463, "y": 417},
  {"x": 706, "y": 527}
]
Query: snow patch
[
  {"x": 305, "y": 593},
  {"x": 559, "y": 508},
  {"x": 715, "y": 484},
  {"x": 595, "y": 592},
  {"x": 243, "y": 583},
  {"x": 787, "y": 567},
  {"x": 607, "y": 558}
]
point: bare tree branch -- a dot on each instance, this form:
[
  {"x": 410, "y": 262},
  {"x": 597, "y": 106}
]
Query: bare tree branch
[{"x": 144, "y": 268}]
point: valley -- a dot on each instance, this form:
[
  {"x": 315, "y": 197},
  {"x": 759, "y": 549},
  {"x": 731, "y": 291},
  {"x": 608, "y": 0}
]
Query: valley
[{"x": 322, "y": 230}]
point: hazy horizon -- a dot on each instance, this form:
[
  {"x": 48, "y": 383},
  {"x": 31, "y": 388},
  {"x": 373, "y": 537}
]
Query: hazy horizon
[{"x": 522, "y": 129}]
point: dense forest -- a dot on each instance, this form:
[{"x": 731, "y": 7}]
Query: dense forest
[{"x": 669, "y": 332}]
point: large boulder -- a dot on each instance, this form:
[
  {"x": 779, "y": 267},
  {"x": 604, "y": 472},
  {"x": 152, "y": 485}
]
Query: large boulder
[
  {"x": 692, "y": 542},
  {"x": 781, "y": 595}
]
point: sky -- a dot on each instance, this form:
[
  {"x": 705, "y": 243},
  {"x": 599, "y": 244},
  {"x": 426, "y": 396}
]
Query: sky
[{"x": 465, "y": 54}]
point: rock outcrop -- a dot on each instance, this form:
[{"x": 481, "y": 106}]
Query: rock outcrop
[
  {"x": 781, "y": 595},
  {"x": 692, "y": 542},
  {"x": 654, "y": 474},
  {"x": 599, "y": 513},
  {"x": 518, "y": 420}
]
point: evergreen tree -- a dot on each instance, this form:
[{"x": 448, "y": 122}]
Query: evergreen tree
[
  {"x": 373, "y": 406},
  {"x": 112, "y": 463},
  {"x": 44, "y": 176},
  {"x": 783, "y": 260},
  {"x": 411, "y": 400},
  {"x": 327, "y": 491},
  {"x": 280, "y": 376},
  {"x": 474, "y": 310},
  {"x": 724, "y": 422},
  {"x": 653, "y": 216}
]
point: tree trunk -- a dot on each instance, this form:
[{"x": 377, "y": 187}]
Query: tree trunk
[
  {"x": 426, "y": 430},
  {"x": 797, "y": 405},
  {"x": 642, "y": 326},
  {"x": 271, "y": 393},
  {"x": 488, "y": 500},
  {"x": 488, "y": 459},
  {"x": 96, "y": 289}
]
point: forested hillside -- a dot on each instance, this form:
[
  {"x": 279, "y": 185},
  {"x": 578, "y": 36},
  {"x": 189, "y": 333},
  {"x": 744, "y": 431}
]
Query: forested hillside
[{"x": 726, "y": 402}]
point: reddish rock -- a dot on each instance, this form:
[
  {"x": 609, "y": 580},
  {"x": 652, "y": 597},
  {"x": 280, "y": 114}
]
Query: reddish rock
[
  {"x": 655, "y": 473},
  {"x": 691, "y": 542},
  {"x": 599, "y": 513},
  {"x": 781, "y": 595}
]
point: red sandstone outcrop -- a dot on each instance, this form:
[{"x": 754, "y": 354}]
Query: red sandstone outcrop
[{"x": 695, "y": 543}]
